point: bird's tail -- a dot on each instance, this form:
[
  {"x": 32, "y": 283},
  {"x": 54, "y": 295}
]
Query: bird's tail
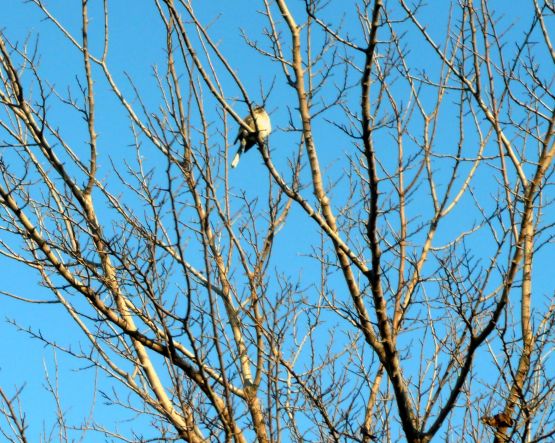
[{"x": 235, "y": 160}]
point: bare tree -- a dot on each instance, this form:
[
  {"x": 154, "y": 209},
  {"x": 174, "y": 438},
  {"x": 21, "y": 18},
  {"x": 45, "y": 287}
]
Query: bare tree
[{"x": 375, "y": 284}]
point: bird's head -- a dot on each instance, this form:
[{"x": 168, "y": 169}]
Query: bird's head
[{"x": 258, "y": 109}]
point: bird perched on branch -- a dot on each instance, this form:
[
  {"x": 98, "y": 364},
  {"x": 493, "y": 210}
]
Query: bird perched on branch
[
  {"x": 259, "y": 125},
  {"x": 501, "y": 420}
]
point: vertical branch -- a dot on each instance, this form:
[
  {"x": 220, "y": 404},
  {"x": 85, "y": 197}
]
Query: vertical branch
[
  {"x": 317, "y": 182},
  {"x": 525, "y": 248},
  {"x": 90, "y": 100},
  {"x": 390, "y": 359}
]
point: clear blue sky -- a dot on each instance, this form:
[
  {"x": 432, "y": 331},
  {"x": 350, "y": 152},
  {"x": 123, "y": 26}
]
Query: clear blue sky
[{"x": 135, "y": 46}]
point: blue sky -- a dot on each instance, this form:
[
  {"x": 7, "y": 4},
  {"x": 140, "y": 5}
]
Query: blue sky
[{"x": 136, "y": 45}]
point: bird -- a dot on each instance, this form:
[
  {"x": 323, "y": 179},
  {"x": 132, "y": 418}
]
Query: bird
[
  {"x": 501, "y": 420},
  {"x": 247, "y": 138}
]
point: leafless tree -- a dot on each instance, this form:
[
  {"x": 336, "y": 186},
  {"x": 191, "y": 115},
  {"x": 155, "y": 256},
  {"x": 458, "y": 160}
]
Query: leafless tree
[{"x": 377, "y": 282}]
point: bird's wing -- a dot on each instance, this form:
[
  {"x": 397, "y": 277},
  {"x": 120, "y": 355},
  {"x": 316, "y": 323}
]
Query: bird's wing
[{"x": 243, "y": 133}]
